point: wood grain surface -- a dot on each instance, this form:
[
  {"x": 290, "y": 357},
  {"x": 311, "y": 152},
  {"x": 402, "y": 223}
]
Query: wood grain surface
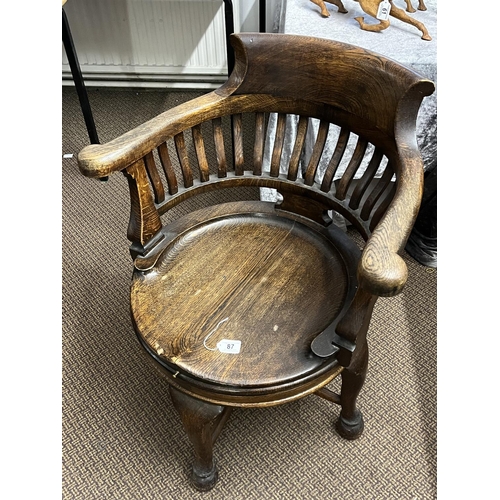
[{"x": 274, "y": 283}]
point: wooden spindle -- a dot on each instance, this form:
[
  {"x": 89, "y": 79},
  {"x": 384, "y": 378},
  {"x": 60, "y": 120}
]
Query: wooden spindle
[
  {"x": 365, "y": 179},
  {"x": 352, "y": 168},
  {"x": 154, "y": 178},
  {"x": 180, "y": 146},
  {"x": 219, "y": 147},
  {"x": 376, "y": 192},
  {"x": 319, "y": 145},
  {"x": 383, "y": 205},
  {"x": 334, "y": 163},
  {"x": 258, "y": 148},
  {"x": 278, "y": 145},
  {"x": 173, "y": 188},
  {"x": 199, "y": 146},
  {"x": 293, "y": 169},
  {"x": 239, "y": 162}
]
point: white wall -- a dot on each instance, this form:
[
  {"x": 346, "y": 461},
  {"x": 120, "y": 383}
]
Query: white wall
[{"x": 156, "y": 43}]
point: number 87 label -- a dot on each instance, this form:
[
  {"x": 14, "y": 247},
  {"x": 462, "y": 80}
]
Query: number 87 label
[{"x": 229, "y": 346}]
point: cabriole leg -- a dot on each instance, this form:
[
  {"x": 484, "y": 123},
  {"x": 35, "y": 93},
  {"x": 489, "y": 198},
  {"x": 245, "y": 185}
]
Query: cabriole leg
[
  {"x": 350, "y": 423},
  {"x": 354, "y": 325},
  {"x": 202, "y": 422}
]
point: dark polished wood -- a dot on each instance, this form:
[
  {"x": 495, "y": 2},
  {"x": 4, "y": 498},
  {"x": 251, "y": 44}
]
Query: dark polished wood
[
  {"x": 291, "y": 290},
  {"x": 202, "y": 422},
  {"x": 263, "y": 274}
]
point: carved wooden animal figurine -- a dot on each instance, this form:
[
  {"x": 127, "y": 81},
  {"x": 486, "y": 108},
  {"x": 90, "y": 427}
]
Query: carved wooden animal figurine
[
  {"x": 371, "y": 7},
  {"x": 324, "y": 10},
  {"x": 410, "y": 8}
]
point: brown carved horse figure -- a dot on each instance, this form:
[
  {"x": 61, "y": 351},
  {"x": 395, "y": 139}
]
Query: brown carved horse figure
[
  {"x": 371, "y": 7},
  {"x": 410, "y": 8}
]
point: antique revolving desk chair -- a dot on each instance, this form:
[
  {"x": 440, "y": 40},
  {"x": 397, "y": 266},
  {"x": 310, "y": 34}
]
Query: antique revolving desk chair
[{"x": 252, "y": 303}]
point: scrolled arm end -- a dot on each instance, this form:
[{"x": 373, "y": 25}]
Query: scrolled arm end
[
  {"x": 92, "y": 161},
  {"x": 381, "y": 272}
]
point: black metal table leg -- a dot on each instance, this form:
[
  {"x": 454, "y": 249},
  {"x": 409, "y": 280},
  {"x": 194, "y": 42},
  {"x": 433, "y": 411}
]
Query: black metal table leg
[
  {"x": 262, "y": 16},
  {"x": 229, "y": 18},
  {"x": 78, "y": 79}
]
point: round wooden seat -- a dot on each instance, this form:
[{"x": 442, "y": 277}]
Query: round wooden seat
[{"x": 270, "y": 282}]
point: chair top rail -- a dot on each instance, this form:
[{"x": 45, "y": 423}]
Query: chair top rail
[{"x": 366, "y": 87}]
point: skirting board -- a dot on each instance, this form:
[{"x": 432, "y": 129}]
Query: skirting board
[{"x": 149, "y": 80}]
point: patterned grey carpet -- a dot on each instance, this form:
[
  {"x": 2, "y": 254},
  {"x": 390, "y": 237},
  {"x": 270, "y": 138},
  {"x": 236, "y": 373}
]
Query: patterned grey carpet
[{"x": 121, "y": 436}]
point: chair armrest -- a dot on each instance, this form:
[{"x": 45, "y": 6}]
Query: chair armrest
[
  {"x": 381, "y": 270},
  {"x": 100, "y": 160}
]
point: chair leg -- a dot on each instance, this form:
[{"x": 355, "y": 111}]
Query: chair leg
[
  {"x": 202, "y": 422},
  {"x": 350, "y": 422}
]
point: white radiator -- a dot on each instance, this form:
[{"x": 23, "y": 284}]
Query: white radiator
[{"x": 149, "y": 43}]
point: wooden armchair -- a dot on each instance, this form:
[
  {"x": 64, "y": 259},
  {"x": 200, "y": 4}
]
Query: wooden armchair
[{"x": 252, "y": 303}]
